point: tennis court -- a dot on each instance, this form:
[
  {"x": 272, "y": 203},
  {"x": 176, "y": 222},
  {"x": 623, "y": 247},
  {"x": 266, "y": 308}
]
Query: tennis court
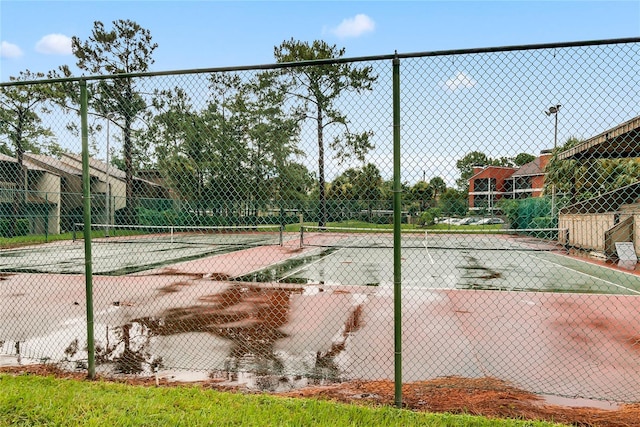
[
  {"x": 319, "y": 307},
  {"x": 483, "y": 261},
  {"x": 144, "y": 248}
]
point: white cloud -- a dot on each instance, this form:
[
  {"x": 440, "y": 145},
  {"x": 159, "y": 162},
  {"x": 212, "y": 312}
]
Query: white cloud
[
  {"x": 461, "y": 80},
  {"x": 9, "y": 50},
  {"x": 354, "y": 27},
  {"x": 54, "y": 44}
]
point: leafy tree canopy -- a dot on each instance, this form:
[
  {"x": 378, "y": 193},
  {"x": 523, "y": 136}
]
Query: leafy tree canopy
[{"x": 315, "y": 91}]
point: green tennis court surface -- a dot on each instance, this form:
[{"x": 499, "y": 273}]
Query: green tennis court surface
[
  {"x": 484, "y": 261},
  {"x": 453, "y": 261},
  {"x": 462, "y": 269},
  {"x": 142, "y": 249}
]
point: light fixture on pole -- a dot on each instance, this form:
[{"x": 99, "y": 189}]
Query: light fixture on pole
[{"x": 554, "y": 110}]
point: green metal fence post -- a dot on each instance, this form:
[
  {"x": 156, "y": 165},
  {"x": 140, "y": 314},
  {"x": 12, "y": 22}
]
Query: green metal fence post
[
  {"x": 86, "y": 196},
  {"x": 397, "y": 221}
]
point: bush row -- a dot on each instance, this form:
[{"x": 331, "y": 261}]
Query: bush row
[{"x": 22, "y": 227}]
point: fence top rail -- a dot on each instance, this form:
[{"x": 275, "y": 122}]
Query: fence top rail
[
  {"x": 330, "y": 61},
  {"x": 178, "y": 228}
]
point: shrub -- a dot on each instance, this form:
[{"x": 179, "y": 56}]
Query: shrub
[
  {"x": 6, "y": 228},
  {"x": 429, "y": 216},
  {"x": 23, "y": 227}
]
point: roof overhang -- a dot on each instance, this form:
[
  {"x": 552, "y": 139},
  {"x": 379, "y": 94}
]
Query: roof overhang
[{"x": 623, "y": 141}]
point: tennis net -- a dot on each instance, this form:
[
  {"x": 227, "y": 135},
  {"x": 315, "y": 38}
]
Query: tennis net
[
  {"x": 250, "y": 235},
  {"x": 533, "y": 239}
]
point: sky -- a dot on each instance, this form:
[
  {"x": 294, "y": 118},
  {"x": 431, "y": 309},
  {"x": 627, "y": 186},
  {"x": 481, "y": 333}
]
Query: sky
[{"x": 36, "y": 35}]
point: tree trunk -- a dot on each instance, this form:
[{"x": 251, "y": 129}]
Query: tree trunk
[
  {"x": 322, "y": 219},
  {"x": 20, "y": 178},
  {"x": 128, "y": 160}
]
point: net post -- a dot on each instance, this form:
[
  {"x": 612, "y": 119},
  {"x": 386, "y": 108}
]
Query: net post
[
  {"x": 301, "y": 236},
  {"x": 171, "y": 234},
  {"x": 281, "y": 235}
]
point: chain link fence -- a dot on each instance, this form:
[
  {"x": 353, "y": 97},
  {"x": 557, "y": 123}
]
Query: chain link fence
[{"x": 245, "y": 224}]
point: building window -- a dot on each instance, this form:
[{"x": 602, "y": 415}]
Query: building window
[
  {"x": 484, "y": 184},
  {"x": 522, "y": 183}
]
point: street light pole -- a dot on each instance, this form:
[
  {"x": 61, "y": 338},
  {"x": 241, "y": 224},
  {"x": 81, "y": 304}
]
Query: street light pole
[{"x": 554, "y": 110}]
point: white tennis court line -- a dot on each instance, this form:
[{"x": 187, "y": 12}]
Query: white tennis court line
[
  {"x": 586, "y": 274},
  {"x": 315, "y": 262}
]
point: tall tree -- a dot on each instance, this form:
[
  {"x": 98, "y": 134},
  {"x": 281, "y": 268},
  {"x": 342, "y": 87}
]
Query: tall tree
[
  {"x": 273, "y": 136},
  {"x": 466, "y": 164},
  {"x": 317, "y": 89},
  {"x": 126, "y": 48},
  {"x": 422, "y": 193},
  {"x": 343, "y": 186},
  {"x": 453, "y": 202},
  {"x": 20, "y": 122},
  {"x": 523, "y": 158},
  {"x": 180, "y": 142},
  {"x": 438, "y": 186},
  {"x": 364, "y": 185},
  {"x": 239, "y": 148},
  {"x": 255, "y": 138}
]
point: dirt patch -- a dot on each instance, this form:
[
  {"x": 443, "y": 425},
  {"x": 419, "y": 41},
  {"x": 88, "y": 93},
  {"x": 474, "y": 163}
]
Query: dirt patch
[
  {"x": 293, "y": 250},
  {"x": 634, "y": 342},
  {"x": 176, "y": 272},
  {"x": 217, "y": 276},
  {"x": 173, "y": 287},
  {"x": 476, "y": 271},
  {"x": 249, "y": 316},
  {"x": 267, "y": 305},
  {"x": 482, "y": 396}
]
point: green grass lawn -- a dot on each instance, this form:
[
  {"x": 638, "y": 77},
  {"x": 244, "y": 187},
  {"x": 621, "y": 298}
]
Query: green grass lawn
[
  {"x": 34, "y": 239},
  {"x": 28, "y": 400}
]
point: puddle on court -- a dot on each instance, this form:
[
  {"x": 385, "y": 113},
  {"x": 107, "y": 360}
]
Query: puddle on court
[
  {"x": 280, "y": 272},
  {"x": 238, "y": 335},
  {"x": 317, "y": 269},
  {"x": 477, "y": 276}
]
